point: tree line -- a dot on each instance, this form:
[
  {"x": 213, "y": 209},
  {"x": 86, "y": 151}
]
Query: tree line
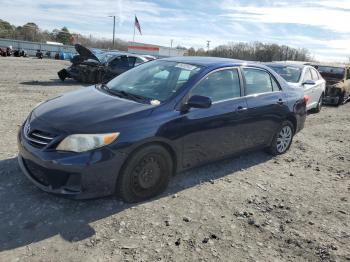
[
  {"x": 255, "y": 51},
  {"x": 31, "y": 32}
]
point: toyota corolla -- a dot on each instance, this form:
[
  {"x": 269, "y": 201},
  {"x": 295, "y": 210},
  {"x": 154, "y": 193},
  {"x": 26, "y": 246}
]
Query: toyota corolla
[{"x": 129, "y": 136}]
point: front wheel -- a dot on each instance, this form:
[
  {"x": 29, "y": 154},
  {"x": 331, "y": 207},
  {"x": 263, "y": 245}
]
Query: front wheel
[
  {"x": 146, "y": 174},
  {"x": 282, "y": 139}
]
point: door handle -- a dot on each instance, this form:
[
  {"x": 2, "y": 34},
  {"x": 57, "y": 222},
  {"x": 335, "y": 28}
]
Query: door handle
[
  {"x": 280, "y": 101},
  {"x": 241, "y": 109}
]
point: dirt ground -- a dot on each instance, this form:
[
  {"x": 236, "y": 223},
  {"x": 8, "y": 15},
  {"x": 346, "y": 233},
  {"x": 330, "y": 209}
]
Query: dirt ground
[{"x": 294, "y": 207}]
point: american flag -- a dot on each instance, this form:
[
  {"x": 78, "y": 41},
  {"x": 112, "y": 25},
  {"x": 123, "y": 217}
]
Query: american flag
[{"x": 137, "y": 25}]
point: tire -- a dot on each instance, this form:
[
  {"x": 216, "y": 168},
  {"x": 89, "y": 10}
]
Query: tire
[
  {"x": 284, "y": 133},
  {"x": 341, "y": 99},
  {"x": 146, "y": 174},
  {"x": 319, "y": 105}
]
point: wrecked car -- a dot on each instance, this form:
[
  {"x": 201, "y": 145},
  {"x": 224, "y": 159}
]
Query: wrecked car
[
  {"x": 6, "y": 51},
  {"x": 338, "y": 83},
  {"x": 95, "y": 66},
  {"x": 19, "y": 53},
  {"x": 39, "y": 54}
]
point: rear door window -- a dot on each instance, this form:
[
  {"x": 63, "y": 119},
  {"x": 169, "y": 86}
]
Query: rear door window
[
  {"x": 307, "y": 75},
  {"x": 258, "y": 81},
  {"x": 314, "y": 74},
  {"x": 138, "y": 61},
  {"x": 132, "y": 61},
  {"x": 119, "y": 62}
]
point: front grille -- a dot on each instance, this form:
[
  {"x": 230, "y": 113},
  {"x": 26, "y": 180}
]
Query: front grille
[
  {"x": 39, "y": 138},
  {"x": 46, "y": 177}
]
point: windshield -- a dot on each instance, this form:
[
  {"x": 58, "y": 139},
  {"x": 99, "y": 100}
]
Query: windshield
[
  {"x": 155, "y": 80},
  {"x": 289, "y": 73},
  {"x": 331, "y": 72},
  {"x": 104, "y": 57}
]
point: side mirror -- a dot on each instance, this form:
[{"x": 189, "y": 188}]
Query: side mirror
[
  {"x": 309, "y": 82},
  {"x": 199, "y": 102}
]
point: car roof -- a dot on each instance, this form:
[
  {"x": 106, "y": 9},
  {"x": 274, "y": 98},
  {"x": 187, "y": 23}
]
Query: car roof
[
  {"x": 123, "y": 53},
  {"x": 209, "y": 61},
  {"x": 296, "y": 65}
]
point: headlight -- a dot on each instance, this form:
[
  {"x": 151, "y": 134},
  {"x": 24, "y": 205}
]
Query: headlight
[{"x": 85, "y": 142}]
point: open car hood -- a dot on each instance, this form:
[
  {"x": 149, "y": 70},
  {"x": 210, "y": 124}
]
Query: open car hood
[
  {"x": 85, "y": 53},
  {"x": 332, "y": 81}
]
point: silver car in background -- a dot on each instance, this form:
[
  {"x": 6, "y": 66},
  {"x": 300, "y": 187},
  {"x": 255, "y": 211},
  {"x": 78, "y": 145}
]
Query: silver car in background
[{"x": 306, "y": 77}]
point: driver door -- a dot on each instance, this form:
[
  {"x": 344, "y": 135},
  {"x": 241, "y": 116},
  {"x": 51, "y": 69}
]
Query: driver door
[{"x": 214, "y": 132}]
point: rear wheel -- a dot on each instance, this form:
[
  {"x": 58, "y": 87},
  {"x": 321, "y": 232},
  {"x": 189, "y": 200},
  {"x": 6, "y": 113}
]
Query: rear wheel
[
  {"x": 145, "y": 175},
  {"x": 282, "y": 139},
  {"x": 319, "y": 105}
]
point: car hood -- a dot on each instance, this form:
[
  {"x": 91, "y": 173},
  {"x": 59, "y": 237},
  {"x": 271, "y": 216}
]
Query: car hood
[
  {"x": 85, "y": 53},
  {"x": 88, "y": 110}
]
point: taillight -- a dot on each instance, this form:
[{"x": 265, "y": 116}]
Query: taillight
[{"x": 306, "y": 99}]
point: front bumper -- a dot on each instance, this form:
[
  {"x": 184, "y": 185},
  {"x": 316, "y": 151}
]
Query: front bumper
[{"x": 85, "y": 175}]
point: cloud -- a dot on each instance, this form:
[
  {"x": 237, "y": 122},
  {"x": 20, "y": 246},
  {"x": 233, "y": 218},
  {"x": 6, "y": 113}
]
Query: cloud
[
  {"x": 313, "y": 15},
  {"x": 319, "y": 26}
]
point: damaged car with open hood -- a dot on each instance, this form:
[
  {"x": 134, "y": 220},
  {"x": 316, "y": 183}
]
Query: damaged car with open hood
[
  {"x": 338, "y": 83},
  {"x": 96, "y": 66}
]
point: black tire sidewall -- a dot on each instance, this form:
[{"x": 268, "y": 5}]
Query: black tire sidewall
[
  {"x": 273, "y": 147},
  {"x": 319, "y": 104},
  {"x": 124, "y": 187}
]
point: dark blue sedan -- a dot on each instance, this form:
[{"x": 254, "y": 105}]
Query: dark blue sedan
[{"x": 131, "y": 135}]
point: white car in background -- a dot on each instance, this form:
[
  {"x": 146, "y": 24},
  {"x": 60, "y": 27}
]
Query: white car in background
[{"x": 306, "y": 77}]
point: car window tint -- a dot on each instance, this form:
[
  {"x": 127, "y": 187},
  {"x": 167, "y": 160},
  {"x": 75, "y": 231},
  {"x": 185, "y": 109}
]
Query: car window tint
[
  {"x": 314, "y": 74},
  {"x": 138, "y": 61},
  {"x": 307, "y": 75},
  {"x": 184, "y": 75},
  {"x": 257, "y": 81},
  {"x": 120, "y": 62},
  {"x": 132, "y": 61},
  {"x": 220, "y": 85}
]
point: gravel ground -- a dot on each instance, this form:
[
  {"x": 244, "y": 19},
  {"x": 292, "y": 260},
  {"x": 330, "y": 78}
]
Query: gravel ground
[{"x": 256, "y": 207}]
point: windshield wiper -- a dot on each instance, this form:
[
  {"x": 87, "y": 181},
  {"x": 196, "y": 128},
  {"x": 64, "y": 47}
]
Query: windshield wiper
[{"x": 124, "y": 94}]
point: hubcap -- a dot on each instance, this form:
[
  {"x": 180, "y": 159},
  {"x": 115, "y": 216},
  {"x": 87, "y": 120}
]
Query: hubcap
[
  {"x": 147, "y": 173},
  {"x": 284, "y": 138}
]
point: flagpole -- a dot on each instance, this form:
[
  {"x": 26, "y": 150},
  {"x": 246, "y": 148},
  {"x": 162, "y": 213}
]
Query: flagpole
[{"x": 133, "y": 38}]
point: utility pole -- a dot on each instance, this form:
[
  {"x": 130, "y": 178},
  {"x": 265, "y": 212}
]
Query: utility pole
[
  {"x": 171, "y": 45},
  {"x": 113, "y": 29},
  {"x": 208, "y": 44}
]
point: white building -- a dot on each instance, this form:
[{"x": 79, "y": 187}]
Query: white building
[{"x": 154, "y": 50}]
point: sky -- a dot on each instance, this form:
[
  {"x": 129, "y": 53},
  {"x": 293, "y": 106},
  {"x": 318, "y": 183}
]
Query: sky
[{"x": 321, "y": 26}]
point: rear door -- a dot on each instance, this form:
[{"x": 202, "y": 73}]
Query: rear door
[{"x": 267, "y": 106}]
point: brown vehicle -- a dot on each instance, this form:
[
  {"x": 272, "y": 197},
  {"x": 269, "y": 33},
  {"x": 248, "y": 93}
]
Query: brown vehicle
[{"x": 337, "y": 83}]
